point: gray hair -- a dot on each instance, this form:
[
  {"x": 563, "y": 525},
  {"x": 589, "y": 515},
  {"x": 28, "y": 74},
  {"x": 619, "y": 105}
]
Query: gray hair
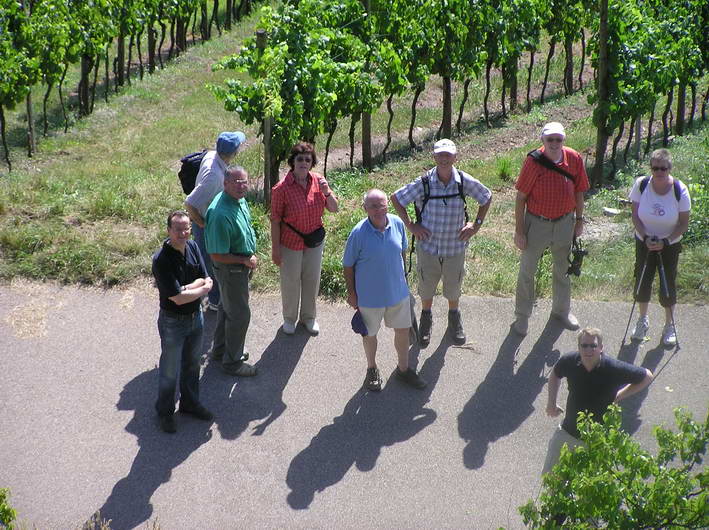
[
  {"x": 662, "y": 155},
  {"x": 367, "y": 194},
  {"x": 235, "y": 171}
]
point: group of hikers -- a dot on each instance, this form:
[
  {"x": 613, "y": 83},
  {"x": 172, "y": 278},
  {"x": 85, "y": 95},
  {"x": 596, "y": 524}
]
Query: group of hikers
[{"x": 213, "y": 270}]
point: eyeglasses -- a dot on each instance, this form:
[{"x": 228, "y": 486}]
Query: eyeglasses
[
  {"x": 659, "y": 168},
  {"x": 592, "y": 345},
  {"x": 303, "y": 159},
  {"x": 553, "y": 140}
]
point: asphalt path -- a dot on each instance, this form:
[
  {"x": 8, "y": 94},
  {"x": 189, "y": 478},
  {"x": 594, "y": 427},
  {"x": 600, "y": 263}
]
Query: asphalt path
[{"x": 301, "y": 445}]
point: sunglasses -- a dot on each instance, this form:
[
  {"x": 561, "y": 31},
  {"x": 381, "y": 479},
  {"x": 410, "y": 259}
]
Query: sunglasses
[
  {"x": 589, "y": 345},
  {"x": 553, "y": 140},
  {"x": 659, "y": 168},
  {"x": 303, "y": 159}
]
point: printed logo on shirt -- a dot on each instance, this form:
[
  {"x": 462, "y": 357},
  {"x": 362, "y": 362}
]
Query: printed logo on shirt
[{"x": 658, "y": 210}]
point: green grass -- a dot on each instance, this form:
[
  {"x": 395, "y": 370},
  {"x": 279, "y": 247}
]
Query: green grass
[{"x": 90, "y": 207}]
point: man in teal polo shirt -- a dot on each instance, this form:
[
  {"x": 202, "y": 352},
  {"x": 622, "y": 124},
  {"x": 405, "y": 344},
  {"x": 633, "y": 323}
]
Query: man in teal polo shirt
[{"x": 231, "y": 243}]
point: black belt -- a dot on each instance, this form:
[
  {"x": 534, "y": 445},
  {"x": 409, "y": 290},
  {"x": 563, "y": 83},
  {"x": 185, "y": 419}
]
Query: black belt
[
  {"x": 548, "y": 219},
  {"x": 179, "y": 316}
]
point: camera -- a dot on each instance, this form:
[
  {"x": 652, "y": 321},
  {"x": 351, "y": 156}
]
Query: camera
[{"x": 576, "y": 259}]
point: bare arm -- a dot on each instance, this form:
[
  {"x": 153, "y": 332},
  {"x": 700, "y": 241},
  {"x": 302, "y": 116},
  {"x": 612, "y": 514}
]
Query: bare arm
[
  {"x": 276, "y": 242},
  {"x": 629, "y": 390},
  {"x": 195, "y": 215},
  {"x": 553, "y": 409},
  {"x": 330, "y": 199},
  {"x": 470, "y": 228},
  {"x": 578, "y": 229},
  {"x": 193, "y": 291},
  {"x": 520, "y": 208},
  {"x": 350, "y": 282},
  {"x": 415, "y": 228},
  {"x": 682, "y": 225}
]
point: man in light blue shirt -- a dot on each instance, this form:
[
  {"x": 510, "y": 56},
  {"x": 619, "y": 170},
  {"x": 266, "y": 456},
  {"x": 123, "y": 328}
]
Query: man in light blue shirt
[{"x": 376, "y": 285}]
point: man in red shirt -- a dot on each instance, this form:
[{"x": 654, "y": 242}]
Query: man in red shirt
[{"x": 548, "y": 214}]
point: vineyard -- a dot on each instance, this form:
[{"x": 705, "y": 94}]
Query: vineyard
[{"x": 378, "y": 78}]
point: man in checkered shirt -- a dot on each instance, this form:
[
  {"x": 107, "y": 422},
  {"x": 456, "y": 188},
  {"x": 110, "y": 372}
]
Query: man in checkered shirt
[{"x": 442, "y": 234}]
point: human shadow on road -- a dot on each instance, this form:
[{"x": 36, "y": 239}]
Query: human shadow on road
[
  {"x": 630, "y": 416},
  {"x": 505, "y": 398},
  {"x": 237, "y": 401},
  {"x": 128, "y": 505},
  {"x": 369, "y": 422}
]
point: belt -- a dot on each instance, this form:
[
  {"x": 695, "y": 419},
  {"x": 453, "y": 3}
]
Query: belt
[
  {"x": 548, "y": 219},
  {"x": 179, "y": 316}
]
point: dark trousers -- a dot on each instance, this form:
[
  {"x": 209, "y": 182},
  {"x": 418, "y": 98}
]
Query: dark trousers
[
  {"x": 234, "y": 314},
  {"x": 181, "y": 343},
  {"x": 670, "y": 258}
]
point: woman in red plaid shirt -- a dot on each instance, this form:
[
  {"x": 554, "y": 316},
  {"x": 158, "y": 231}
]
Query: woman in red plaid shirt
[{"x": 297, "y": 205}]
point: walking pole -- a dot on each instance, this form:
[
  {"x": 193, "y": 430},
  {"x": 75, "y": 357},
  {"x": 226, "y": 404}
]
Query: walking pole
[
  {"x": 666, "y": 290},
  {"x": 635, "y": 297},
  {"x": 414, "y": 329}
]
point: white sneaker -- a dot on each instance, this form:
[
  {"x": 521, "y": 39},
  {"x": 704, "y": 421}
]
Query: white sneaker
[
  {"x": 641, "y": 328},
  {"x": 312, "y": 326},
  {"x": 669, "y": 337},
  {"x": 288, "y": 327}
]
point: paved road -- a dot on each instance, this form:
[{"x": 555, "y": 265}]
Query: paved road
[{"x": 299, "y": 446}]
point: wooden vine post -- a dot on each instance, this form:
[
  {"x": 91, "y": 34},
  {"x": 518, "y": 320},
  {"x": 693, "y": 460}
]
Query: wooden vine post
[
  {"x": 261, "y": 39},
  {"x": 367, "y": 116}
]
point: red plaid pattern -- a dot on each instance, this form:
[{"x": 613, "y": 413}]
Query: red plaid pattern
[
  {"x": 549, "y": 193},
  {"x": 301, "y": 208}
]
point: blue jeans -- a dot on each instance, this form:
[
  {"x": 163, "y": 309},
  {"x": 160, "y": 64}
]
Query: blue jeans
[
  {"x": 181, "y": 342},
  {"x": 198, "y": 234}
]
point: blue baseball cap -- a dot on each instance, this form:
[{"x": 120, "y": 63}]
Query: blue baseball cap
[
  {"x": 229, "y": 142},
  {"x": 358, "y": 325}
]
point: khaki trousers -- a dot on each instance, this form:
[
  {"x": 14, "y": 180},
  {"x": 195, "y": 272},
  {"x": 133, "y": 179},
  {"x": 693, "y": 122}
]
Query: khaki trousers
[
  {"x": 300, "y": 282},
  {"x": 557, "y": 236},
  {"x": 558, "y": 439}
]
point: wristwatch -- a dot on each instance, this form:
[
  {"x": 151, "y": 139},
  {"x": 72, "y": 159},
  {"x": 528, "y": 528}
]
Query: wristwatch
[{"x": 478, "y": 221}]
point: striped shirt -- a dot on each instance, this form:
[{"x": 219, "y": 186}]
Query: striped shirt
[
  {"x": 443, "y": 217},
  {"x": 299, "y": 207}
]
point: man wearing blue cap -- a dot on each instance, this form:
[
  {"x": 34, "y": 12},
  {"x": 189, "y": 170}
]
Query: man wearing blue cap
[
  {"x": 210, "y": 182},
  {"x": 374, "y": 274}
]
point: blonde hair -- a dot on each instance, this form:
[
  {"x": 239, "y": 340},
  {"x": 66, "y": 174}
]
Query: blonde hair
[{"x": 591, "y": 332}]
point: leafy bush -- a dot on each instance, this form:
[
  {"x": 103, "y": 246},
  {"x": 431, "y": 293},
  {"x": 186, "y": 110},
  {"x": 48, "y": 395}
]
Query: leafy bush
[
  {"x": 611, "y": 482},
  {"x": 7, "y": 514}
]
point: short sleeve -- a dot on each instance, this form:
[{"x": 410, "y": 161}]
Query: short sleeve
[
  {"x": 217, "y": 234},
  {"x": 563, "y": 366},
  {"x": 409, "y": 193},
  {"x": 685, "y": 202},
  {"x": 277, "y": 202},
  {"x": 166, "y": 281},
  {"x": 635, "y": 194},
  {"x": 351, "y": 250}
]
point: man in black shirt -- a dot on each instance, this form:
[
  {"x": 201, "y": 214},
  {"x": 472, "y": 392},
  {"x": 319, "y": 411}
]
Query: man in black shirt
[
  {"x": 182, "y": 280},
  {"x": 595, "y": 381}
]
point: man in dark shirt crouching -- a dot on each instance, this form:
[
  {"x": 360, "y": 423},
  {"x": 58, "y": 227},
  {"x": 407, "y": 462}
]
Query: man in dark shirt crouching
[
  {"x": 595, "y": 382},
  {"x": 182, "y": 280}
]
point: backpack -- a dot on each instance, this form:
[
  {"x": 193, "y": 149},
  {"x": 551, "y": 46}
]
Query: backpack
[
  {"x": 675, "y": 184},
  {"x": 427, "y": 195},
  {"x": 189, "y": 170}
]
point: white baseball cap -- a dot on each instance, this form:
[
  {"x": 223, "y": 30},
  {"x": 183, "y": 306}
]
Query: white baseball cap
[
  {"x": 553, "y": 127},
  {"x": 444, "y": 146}
]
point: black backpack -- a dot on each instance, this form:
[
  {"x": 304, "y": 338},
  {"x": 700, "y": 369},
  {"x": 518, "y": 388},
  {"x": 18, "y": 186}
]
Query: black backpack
[
  {"x": 425, "y": 180},
  {"x": 678, "y": 191},
  {"x": 189, "y": 170}
]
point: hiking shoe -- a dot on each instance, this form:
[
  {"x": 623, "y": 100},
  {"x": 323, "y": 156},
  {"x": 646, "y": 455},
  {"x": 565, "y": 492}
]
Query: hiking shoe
[
  {"x": 312, "y": 326},
  {"x": 641, "y": 328},
  {"x": 410, "y": 377},
  {"x": 373, "y": 381},
  {"x": 568, "y": 320},
  {"x": 455, "y": 327},
  {"x": 167, "y": 424},
  {"x": 669, "y": 335},
  {"x": 243, "y": 370},
  {"x": 213, "y": 356},
  {"x": 425, "y": 325},
  {"x": 288, "y": 327},
  {"x": 521, "y": 325},
  {"x": 199, "y": 412}
]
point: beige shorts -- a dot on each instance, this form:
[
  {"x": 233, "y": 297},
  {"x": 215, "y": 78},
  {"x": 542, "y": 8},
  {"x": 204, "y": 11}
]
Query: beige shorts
[
  {"x": 395, "y": 316},
  {"x": 431, "y": 268}
]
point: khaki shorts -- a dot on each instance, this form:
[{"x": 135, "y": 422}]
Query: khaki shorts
[
  {"x": 395, "y": 316},
  {"x": 431, "y": 268},
  {"x": 558, "y": 439}
]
